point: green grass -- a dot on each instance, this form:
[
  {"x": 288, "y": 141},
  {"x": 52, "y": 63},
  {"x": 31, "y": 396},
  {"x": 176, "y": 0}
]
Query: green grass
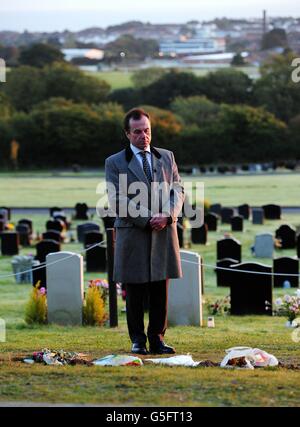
[
  {"x": 66, "y": 189},
  {"x": 116, "y": 79},
  {"x": 165, "y": 386}
]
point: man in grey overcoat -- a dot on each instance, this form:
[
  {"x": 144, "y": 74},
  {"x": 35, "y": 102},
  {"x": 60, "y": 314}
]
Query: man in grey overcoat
[{"x": 145, "y": 192}]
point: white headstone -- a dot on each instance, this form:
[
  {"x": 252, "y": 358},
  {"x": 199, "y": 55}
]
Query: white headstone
[
  {"x": 64, "y": 288},
  {"x": 185, "y": 298},
  {"x": 264, "y": 245}
]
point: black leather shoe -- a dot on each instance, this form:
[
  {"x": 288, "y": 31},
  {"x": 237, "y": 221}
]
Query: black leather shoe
[
  {"x": 138, "y": 348},
  {"x": 162, "y": 348}
]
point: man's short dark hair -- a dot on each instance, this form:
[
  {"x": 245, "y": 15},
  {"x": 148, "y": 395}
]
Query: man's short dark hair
[{"x": 135, "y": 114}]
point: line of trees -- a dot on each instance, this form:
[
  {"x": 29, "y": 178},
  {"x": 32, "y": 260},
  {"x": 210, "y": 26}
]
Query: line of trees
[{"x": 60, "y": 116}]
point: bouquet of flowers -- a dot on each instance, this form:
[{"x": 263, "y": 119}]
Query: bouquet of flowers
[
  {"x": 288, "y": 306},
  {"x": 221, "y": 306}
]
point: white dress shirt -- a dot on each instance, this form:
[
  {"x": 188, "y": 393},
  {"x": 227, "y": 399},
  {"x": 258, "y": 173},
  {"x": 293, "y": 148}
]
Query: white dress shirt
[{"x": 136, "y": 152}]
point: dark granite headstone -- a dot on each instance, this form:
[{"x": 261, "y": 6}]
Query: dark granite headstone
[
  {"x": 8, "y": 212},
  {"x": 85, "y": 228},
  {"x": 53, "y": 235},
  {"x": 9, "y": 243},
  {"x": 226, "y": 215},
  {"x": 237, "y": 223},
  {"x": 95, "y": 257},
  {"x": 56, "y": 224},
  {"x": 258, "y": 216},
  {"x": 286, "y": 265},
  {"x": 45, "y": 247},
  {"x": 211, "y": 219},
  {"x": 2, "y": 225},
  {"x": 81, "y": 211},
  {"x": 216, "y": 208},
  {"x": 4, "y": 214},
  {"x": 249, "y": 292},
  {"x": 24, "y": 234},
  {"x": 39, "y": 275},
  {"x": 272, "y": 211},
  {"x": 229, "y": 248},
  {"x": 287, "y": 236},
  {"x": 54, "y": 209},
  {"x": 224, "y": 276},
  {"x": 199, "y": 235},
  {"x": 244, "y": 211},
  {"x": 27, "y": 222}
]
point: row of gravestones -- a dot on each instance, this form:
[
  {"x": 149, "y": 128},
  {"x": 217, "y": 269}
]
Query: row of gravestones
[
  {"x": 270, "y": 212},
  {"x": 249, "y": 292}
]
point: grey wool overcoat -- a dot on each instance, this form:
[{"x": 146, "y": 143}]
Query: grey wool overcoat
[{"x": 143, "y": 255}]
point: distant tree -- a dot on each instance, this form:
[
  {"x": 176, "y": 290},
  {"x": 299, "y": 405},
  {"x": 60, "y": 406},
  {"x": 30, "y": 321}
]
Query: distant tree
[
  {"x": 229, "y": 86},
  {"x": 294, "y": 136},
  {"x": 127, "y": 97},
  {"x": 5, "y": 106},
  {"x": 10, "y": 54},
  {"x": 145, "y": 77},
  {"x": 238, "y": 60},
  {"x": 64, "y": 80},
  {"x": 25, "y": 87},
  {"x": 274, "y": 38},
  {"x": 275, "y": 90},
  {"x": 133, "y": 48},
  {"x": 196, "y": 110},
  {"x": 173, "y": 84},
  {"x": 40, "y": 54}
]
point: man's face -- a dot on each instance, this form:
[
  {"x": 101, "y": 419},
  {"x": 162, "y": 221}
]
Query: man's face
[{"x": 139, "y": 133}]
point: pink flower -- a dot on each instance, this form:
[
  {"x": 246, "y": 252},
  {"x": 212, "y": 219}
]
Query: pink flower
[{"x": 43, "y": 291}]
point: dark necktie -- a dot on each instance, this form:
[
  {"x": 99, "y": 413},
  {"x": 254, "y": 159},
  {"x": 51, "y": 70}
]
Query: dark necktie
[{"x": 146, "y": 166}]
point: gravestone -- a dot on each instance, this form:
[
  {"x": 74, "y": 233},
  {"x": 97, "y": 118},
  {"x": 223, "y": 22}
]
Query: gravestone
[
  {"x": 249, "y": 292},
  {"x": 287, "y": 236},
  {"x": 22, "y": 265},
  {"x": 258, "y": 216},
  {"x": 65, "y": 288},
  {"x": 272, "y": 211},
  {"x": 55, "y": 225},
  {"x": 199, "y": 235},
  {"x": 53, "y": 235},
  {"x": 4, "y": 215},
  {"x": 60, "y": 217},
  {"x": 8, "y": 212},
  {"x": 27, "y": 222},
  {"x": 263, "y": 246},
  {"x": 211, "y": 219},
  {"x": 55, "y": 209},
  {"x": 298, "y": 245},
  {"x": 215, "y": 208},
  {"x": 45, "y": 247},
  {"x": 95, "y": 257},
  {"x": 286, "y": 265},
  {"x": 38, "y": 274},
  {"x": 224, "y": 277},
  {"x": 108, "y": 221},
  {"x": 81, "y": 211},
  {"x": 9, "y": 243},
  {"x": 24, "y": 234},
  {"x": 185, "y": 294},
  {"x": 229, "y": 248},
  {"x": 85, "y": 228},
  {"x": 2, "y": 225},
  {"x": 244, "y": 211},
  {"x": 237, "y": 223},
  {"x": 226, "y": 215}
]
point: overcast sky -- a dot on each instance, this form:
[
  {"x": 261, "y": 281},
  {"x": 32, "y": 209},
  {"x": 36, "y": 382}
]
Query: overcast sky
[{"x": 51, "y": 15}]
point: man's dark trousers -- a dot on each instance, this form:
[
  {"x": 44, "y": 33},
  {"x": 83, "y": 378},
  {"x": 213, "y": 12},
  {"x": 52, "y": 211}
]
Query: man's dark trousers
[{"x": 136, "y": 293}]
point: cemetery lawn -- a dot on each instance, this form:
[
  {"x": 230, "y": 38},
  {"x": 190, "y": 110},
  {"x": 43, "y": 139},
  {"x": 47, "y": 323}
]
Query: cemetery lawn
[
  {"x": 65, "y": 189},
  {"x": 149, "y": 385}
]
